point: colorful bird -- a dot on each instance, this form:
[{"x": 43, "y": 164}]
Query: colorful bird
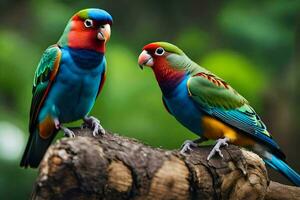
[
  {"x": 67, "y": 81},
  {"x": 210, "y": 107}
]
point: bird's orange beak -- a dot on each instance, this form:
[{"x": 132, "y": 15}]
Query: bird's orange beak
[
  {"x": 104, "y": 33},
  {"x": 145, "y": 59}
]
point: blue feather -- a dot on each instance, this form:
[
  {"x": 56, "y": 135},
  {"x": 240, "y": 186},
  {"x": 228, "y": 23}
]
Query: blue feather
[
  {"x": 100, "y": 15},
  {"x": 84, "y": 58},
  {"x": 183, "y": 108},
  {"x": 75, "y": 88},
  {"x": 284, "y": 168},
  {"x": 247, "y": 122}
]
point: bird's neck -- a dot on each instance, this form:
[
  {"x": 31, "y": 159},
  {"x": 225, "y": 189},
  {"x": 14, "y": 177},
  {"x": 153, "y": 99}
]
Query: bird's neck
[
  {"x": 167, "y": 77},
  {"x": 86, "y": 59}
]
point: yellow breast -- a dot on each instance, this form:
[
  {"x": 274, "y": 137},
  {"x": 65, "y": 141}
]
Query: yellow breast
[{"x": 215, "y": 129}]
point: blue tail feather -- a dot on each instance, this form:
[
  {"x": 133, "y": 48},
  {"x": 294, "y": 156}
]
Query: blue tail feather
[
  {"x": 284, "y": 168},
  {"x": 35, "y": 150}
]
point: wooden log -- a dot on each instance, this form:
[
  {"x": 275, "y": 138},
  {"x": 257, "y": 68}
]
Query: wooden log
[{"x": 116, "y": 167}]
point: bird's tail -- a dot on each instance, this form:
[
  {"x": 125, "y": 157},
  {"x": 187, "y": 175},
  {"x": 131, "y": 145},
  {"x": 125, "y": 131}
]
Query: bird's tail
[
  {"x": 35, "y": 149},
  {"x": 283, "y": 168}
]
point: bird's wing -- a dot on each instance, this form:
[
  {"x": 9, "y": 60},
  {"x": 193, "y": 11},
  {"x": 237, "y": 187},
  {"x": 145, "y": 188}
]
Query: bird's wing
[
  {"x": 209, "y": 90},
  {"x": 103, "y": 78},
  {"x": 218, "y": 99},
  {"x": 43, "y": 78}
]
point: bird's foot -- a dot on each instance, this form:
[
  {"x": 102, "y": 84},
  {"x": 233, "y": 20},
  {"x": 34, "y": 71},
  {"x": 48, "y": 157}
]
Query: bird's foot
[
  {"x": 187, "y": 146},
  {"x": 94, "y": 124},
  {"x": 216, "y": 149},
  {"x": 57, "y": 124},
  {"x": 67, "y": 132}
]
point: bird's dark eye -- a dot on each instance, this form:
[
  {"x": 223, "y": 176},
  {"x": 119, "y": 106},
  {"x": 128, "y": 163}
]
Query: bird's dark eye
[
  {"x": 159, "y": 51},
  {"x": 88, "y": 23},
  {"x": 102, "y": 26}
]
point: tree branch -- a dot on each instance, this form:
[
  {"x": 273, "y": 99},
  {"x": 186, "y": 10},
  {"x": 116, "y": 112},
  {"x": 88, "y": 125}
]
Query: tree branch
[{"x": 115, "y": 167}]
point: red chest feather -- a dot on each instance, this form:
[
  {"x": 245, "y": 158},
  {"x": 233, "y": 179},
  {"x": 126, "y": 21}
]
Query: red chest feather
[{"x": 167, "y": 77}]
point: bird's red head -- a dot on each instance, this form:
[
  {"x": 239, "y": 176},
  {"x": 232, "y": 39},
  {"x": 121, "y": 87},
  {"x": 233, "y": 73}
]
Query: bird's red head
[
  {"x": 152, "y": 54},
  {"x": 164, "y": 58},
  {"x": 88, "y": 29},
  {"x": 156, "y": 53}
]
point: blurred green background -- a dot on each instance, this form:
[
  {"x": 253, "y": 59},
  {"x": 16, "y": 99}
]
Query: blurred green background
[{"x": 251, "y": 45}]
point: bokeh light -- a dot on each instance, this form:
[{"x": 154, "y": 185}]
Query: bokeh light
[{"x": 12, "y": 141}]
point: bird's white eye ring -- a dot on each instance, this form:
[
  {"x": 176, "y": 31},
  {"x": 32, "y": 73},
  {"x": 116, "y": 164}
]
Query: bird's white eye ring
[
  {"x": 88, "y": 23},
  {"x": 159, "y": 51}
]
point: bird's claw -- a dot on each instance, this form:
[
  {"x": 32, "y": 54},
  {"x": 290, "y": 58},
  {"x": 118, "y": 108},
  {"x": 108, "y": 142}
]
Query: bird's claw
[
  {"x": 221, "y": 142},
  {"x": 94, "y": 124},
  {"x": 187, "y": 146},
  {"x": 98, "y": 129},
  {"x": 57, "y": 124},
  {"x": 67, "y": 132}
]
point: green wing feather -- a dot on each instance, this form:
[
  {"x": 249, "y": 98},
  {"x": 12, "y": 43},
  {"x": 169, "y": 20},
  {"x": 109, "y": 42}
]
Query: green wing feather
[
  {"x": 43, "y": 79},
  {"x": 209, "y": 90},
  {"x": 219, "y": 99}
]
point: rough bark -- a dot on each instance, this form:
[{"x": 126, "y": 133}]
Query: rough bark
[{"x": 115, "y": 167}]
